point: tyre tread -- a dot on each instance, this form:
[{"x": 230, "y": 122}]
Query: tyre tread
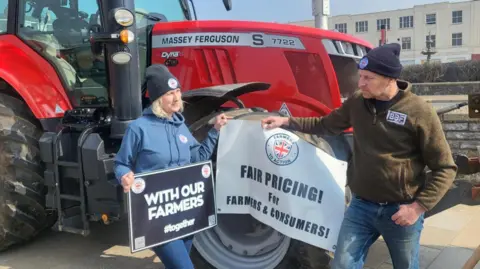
[{"x": 22, "y": 189}]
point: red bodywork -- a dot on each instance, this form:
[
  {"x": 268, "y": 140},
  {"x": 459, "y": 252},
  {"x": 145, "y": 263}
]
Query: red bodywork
[
  {"x": 304, "y": 79},
  {"x": 32, "y": 77},
  {"x": 312, "y": 91}
]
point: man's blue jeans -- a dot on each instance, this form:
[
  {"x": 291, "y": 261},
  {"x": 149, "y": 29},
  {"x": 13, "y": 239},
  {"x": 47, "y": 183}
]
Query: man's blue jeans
[
  {"x": 175, "y": 254},
  {"x": 364, "y": 222}
]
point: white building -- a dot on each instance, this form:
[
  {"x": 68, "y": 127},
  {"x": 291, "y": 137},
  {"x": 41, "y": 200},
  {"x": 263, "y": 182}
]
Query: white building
[{"x": 451, "y": 26}]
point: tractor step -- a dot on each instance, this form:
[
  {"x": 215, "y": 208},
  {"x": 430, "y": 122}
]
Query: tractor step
[
  {"x": 67, "y": 164},
  {"x": 79, "y": 176},
  {"x": 73, "y": 230},
  {"x": 71, "y": 197},
  {"x": 66, "y": 177}
]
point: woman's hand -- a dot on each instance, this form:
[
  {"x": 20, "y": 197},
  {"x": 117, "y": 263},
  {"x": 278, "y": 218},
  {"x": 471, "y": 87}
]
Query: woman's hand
[
  {"x": 220, "y": 121},
  {"x": 127, "y": 181}
]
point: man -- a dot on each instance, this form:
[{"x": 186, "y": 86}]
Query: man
[{"x": 396, "y": 134}]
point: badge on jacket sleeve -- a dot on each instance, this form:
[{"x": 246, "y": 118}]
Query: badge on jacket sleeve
[
  {"x": 183, "y": 138},
  {"x": 138, "y": 185},
  {"x": 396, "y": 117}
]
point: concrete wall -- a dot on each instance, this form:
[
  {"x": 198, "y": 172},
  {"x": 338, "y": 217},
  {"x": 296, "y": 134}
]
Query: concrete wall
[
  {"x": 463, "y": 133},
  {"x": 446, "y": 88},
  {"x": 463, "y": 136}
]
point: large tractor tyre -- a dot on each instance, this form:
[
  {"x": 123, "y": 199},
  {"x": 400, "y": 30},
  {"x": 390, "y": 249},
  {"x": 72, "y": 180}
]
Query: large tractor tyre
[
  {"x": 253, "y": 245},
  {"x": 22, "y": 190}
]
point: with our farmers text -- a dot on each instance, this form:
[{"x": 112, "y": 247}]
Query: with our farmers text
[{"x": 163, "y": 203}]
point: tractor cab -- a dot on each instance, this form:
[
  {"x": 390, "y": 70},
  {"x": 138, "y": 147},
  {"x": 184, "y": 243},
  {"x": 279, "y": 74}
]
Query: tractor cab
[{"x": 60, "y": 31}]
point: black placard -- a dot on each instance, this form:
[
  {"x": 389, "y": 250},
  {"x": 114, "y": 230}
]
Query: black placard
[{"x": 170, "y": 204}]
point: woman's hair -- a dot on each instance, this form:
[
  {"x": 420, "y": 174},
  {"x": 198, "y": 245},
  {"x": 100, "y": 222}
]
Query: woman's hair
[{"x": 158, "y": 110}]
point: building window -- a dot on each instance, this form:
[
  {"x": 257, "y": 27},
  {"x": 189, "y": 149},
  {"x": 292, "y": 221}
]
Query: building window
[
  {"x": 341, "y": 27},
  {"x": 457, "y": 16},
  {"x": 433, "y": 39},
  {"x": 456, "y": 39},
  {"x": 381, "y": 22},
  {"x": 406, "y": 22},
  {"x": 361, "y": 26},
  {"x": 406, "y": 43},
  {"x": 431, "y": 19}
]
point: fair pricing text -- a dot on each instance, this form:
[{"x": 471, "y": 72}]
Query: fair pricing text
[{"x": 287, "y": 186}]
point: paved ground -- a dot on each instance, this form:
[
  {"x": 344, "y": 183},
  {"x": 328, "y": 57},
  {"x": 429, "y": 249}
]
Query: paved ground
[
  {"x": 447, "y": 241},
  {"x": 105, "y": 248},
  {"x": 449, "y": 238},
  {"x": 451, "y": 232}
]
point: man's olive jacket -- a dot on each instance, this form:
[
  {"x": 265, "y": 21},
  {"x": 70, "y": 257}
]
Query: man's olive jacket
[{"x": 391, "y": 147}]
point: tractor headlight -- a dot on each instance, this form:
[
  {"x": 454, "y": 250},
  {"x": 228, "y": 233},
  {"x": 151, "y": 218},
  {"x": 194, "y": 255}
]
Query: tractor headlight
[
  {"x": 124, "y": 17},
  {"x": 121, "y": 57}
]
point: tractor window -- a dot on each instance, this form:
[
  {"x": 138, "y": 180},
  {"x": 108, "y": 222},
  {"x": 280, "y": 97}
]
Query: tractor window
[
  {"x": 310, "y": 76},
  {"x": 3, "y": 16},
  {"x": 169, "y": 10},
  {"x": 347, "y": 74},
  {"x": 60, "y": 33}
]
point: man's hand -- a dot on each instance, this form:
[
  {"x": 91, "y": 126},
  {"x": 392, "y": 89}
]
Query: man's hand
[
  {"x": 273, "y": 122},
  {"x": 408, "y": 214},
  {"x": 127, "y": 181}
]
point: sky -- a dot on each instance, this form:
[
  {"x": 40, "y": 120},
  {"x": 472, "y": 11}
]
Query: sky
[{"x": 283, "y": 11}]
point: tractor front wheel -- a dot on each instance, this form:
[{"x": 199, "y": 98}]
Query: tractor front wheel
[
  {"x": 22, "y": 190},
  {"x": 242, "y": 242}
]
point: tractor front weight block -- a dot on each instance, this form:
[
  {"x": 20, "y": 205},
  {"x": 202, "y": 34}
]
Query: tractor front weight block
[{"x": 80, "y": 179}]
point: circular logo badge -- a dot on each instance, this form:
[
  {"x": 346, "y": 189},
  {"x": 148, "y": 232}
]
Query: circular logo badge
[
  {"x": 172, "y": 83},
  {"x": 138, "y": 185},
  {"x": 281, "y": 149},
  {"x": 183, "y": 138},
  {"x": 363, "y": 63},
  {"x": 206, "y": 171}
]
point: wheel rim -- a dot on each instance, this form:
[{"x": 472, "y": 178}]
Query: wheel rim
[{"x": 240, "y": 241}]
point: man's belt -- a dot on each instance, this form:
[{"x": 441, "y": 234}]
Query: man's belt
[{"x": 384, "y": 203}]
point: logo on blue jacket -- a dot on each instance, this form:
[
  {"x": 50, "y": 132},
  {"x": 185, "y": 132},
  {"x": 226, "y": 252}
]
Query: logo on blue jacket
[{"x": 183, "y": 138}]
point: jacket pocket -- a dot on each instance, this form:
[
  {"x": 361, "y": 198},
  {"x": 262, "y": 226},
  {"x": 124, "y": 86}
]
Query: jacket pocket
[{"x": 405, "y": 172}]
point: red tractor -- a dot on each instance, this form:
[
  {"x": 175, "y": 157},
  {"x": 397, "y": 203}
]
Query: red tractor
[{"x": 71, "y": 81}]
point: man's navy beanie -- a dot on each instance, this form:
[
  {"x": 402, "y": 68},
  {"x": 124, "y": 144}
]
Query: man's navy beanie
[{"x": 383, "y": 60}]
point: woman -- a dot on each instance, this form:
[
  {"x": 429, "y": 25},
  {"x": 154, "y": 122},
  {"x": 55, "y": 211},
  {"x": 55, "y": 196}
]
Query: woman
[{"x": 160, "y": 139}]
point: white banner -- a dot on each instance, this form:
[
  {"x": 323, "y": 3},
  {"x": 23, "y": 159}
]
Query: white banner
[{"x": 282, "y": 181}]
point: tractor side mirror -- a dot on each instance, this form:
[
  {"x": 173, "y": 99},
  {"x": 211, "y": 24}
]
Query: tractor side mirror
[
  {"x": 227, "y": 4},
  {"x": 474, "y": 105}
]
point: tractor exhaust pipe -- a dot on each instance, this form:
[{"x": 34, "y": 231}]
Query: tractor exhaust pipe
[
  {"x": 321, "y": 11},
  {"x": 123, "y": 67}
]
